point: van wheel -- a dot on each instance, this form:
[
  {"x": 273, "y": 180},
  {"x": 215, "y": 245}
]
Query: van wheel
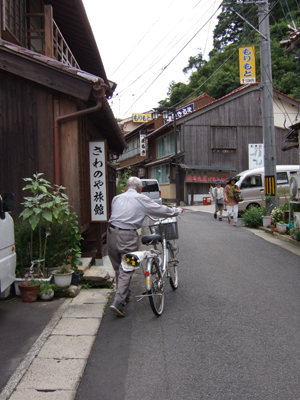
[{"x": 252, "y": 205}]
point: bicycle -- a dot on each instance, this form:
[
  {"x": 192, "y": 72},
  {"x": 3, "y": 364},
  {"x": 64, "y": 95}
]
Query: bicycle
[{"x": 160, "y": 261}]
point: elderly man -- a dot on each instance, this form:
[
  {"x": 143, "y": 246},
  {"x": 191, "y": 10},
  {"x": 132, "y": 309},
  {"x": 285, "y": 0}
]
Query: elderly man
[{"x": 128, "y": 211}]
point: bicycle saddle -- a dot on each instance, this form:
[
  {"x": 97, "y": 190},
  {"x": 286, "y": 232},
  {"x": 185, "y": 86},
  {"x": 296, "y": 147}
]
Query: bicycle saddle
[{"x": 151, "y": 238}]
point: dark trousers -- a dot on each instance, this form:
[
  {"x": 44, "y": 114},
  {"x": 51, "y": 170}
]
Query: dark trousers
[{"x": 120, "y": 242}]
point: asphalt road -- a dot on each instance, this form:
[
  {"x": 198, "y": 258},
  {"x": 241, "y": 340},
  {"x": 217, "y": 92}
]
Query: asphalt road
[
  {"x": 20, "y": 326},
  {"x": 230, "y": 331}
]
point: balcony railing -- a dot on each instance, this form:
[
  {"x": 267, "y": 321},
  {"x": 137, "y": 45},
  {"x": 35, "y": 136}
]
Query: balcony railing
[{"x": 44, "y": 37}]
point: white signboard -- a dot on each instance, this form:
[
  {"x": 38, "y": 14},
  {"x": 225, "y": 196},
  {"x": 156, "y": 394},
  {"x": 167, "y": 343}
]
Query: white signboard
[
  {"x": 143, "y": 144},
  {"x": 97, "y": 152},
  {"x": 256, "y": 155}
]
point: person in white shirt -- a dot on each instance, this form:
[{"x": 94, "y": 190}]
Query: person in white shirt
[
  {"x": 128, "y": 211},
  {"x": 218, "y": 196}
]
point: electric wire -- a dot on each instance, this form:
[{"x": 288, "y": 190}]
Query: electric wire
[
  {"x": 176, "y": 56},
  {"x": 163, "y": 55},
  {"x": 227, "y": 59},
  {"x": 139, "y": 41}
]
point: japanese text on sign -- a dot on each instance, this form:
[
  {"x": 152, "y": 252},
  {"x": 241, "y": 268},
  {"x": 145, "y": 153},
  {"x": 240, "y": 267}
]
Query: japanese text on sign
[
  {"x": 247, "y": 65},
  {"x": 141, "y": 117},
  {"x": 180, "y": 112},
  {"x": 256, "y": 155},
  {"x": 97, "y": 152},
  {"x": 143, "y": 144},
  {"x": 204, "y": 178}
]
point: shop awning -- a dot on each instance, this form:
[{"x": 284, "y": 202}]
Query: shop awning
[{"x": 206, "y": 168}]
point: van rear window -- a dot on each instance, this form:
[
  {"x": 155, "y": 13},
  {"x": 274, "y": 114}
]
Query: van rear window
[
  {"x": 282, "y": 178},
  {"x": 150, "y": 186}
]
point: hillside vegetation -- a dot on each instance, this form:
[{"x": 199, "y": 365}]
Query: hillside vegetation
[{"x": 219, "y": 75}]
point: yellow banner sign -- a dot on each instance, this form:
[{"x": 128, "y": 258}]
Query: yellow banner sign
[
  {"x": 247, "y": 65},
  {"x": 141, "y": 117}
]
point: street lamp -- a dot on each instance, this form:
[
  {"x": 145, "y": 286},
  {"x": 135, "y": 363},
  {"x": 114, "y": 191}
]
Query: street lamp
[{"x": 165, "y": 114}]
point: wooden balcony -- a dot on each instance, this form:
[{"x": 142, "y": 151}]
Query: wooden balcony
[{"x": 44, "y": 37}]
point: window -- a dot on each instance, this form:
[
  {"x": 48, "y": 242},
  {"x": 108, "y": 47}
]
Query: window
[
  {"x": 223, "y": 137},
  {"x": 282, "y": 178},
  {"x": 165, "y": 145},
  {"x": 161, "y": 173},
  {"x": 252, "y": 181}
]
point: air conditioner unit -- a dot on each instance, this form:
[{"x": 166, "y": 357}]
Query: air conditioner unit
[
  {"x": 295, "y": 186},
  {"x": 297, "y": 219}
]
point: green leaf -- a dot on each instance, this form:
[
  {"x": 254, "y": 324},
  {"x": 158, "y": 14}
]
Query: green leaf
[
  {"x": 43, "y": 189},
  {"x": 47, "y": 215},
  {"x": 34, "y": 220},
  {"x": 37, "y": 210},
  {"x": 26, "y": 213}
]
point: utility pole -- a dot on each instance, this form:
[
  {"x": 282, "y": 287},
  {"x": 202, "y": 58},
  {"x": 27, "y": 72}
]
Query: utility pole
[
  {"x": 267, "y": 105},
  {"x": 267, "y": 101}
]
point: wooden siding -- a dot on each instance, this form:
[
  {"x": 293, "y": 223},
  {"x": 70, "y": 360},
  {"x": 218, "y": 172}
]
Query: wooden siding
[
  {"x": 26, "y": 134},
  {"x": 223, "y": 137},
  {"x": 244, "y": 114},
  {"x": 15, "y": 20}
]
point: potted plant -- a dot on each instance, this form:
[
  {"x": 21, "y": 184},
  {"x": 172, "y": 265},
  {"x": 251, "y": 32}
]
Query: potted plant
[
  {"x": 63, "y": 276},
  {"x": 47, "y": 290},
  {"x": 29, "y": 290},
  {"x": 49, "y": 227},
  {"x": 276, "y": 215},
  {"x": 281, "y": 227}
]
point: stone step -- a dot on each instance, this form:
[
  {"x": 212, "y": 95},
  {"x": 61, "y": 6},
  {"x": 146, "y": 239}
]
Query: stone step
[
  {"x": 101, "y": 273},
  {"x": 86, "y": 264}
]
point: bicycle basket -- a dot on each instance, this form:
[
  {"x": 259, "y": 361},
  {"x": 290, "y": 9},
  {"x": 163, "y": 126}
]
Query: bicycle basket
[{"x": 168, "y": 226}]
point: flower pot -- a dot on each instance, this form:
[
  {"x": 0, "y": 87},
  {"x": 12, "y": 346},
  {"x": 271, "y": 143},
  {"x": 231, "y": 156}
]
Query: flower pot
[
  {"x": 62, "y": 280},
  {"x": 28, "y": 293},
  {"x": 75, "y": 279},
  {"x": 281, "y": 228},
  {"x": 48, "y": 295},
  {"x": 266, "y": 221},
  {"x": 272, "y": 228},
  {"x": 19, "y": 280}
]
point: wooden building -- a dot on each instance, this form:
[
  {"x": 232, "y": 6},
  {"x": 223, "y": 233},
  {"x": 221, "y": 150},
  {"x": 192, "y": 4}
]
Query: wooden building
[
  {"x": 213, "y": 140},
  {"x": 53, "y": 102}
]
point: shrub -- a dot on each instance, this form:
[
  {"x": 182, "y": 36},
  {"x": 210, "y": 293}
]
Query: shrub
[
  {"x": 277, "y": 215},
  {"x": 252, "y": 217},
  {"x": 295, "y": 234},
  {"x": 58, "y": 242}
]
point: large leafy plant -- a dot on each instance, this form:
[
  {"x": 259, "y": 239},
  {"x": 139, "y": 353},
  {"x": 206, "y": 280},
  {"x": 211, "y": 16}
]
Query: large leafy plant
[{"x": 47, "y": 205}]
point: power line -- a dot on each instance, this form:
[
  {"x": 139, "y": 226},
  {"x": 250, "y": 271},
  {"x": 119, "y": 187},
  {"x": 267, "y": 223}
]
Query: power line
[{"x": 176, "y": 55}]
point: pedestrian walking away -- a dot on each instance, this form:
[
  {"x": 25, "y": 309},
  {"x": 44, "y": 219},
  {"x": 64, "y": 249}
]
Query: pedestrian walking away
[
  {"x": 231, "y": 205},
  {"x": 217, "y": 193},
  {"x": 128, "y": 211}
]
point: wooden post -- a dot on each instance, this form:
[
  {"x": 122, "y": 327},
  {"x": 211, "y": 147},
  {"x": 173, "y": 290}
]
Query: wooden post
[
  {"x": 48, "y": 12},
  {"x": 2, "y": 22}
]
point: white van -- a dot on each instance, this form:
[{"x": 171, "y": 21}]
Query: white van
[
  {"x": 252, "y": 184},
  {"x": 7, "y": 245},
  {"x": 151, "y": 189}
]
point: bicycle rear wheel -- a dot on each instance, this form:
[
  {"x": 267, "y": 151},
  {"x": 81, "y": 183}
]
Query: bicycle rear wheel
[
  {"x": 173, "y": 272},
  {"x": 156, "y": 292}
]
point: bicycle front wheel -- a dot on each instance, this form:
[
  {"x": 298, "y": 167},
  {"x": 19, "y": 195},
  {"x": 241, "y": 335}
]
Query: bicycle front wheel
[
  {"x": 156, "y": 293},
  {"x": 173, "y": 271}
]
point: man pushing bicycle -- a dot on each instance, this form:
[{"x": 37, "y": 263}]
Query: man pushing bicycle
[{"x": 128, "y": 211}]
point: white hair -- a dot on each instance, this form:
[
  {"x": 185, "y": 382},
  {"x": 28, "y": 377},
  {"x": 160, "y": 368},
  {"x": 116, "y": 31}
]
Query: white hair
[{"x": 134, "y": 183}]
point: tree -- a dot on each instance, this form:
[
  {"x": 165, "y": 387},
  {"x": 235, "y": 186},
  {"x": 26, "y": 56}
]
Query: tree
[{"x": 220, "y": 74}]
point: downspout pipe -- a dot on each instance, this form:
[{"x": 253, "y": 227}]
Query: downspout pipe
[{"x": 99, "y": 90}]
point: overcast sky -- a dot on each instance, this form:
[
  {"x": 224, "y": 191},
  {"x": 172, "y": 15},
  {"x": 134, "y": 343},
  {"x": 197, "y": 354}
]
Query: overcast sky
[{"x": 145, "y": 46}]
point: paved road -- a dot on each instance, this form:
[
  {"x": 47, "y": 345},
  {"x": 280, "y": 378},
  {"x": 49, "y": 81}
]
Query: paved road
[
  {"x": 230, "y": 331},
  {"x": 20, "y": 326}
]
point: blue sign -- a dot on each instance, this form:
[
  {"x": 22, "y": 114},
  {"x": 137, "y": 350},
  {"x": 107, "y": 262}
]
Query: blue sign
[{"x": 180, "y": 112}]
